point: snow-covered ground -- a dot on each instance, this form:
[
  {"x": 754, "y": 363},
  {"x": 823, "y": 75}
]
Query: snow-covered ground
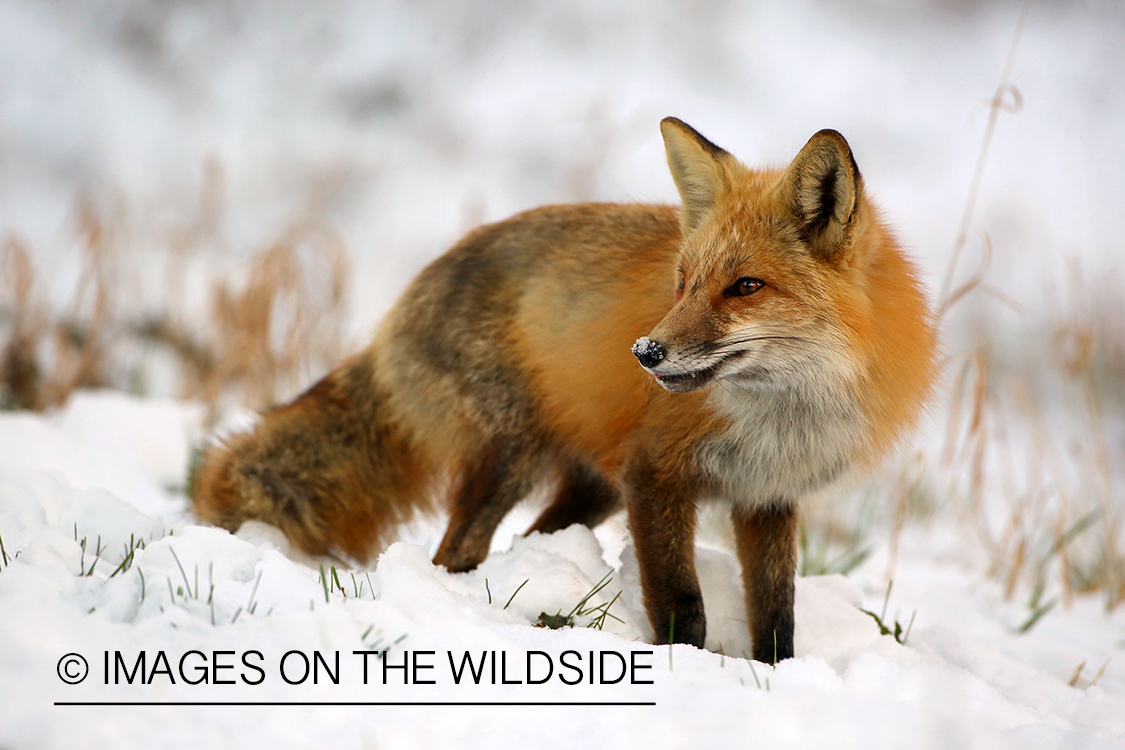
[
  {"x": 400, "y": 125},
  {"x": 201, "y": 597}
]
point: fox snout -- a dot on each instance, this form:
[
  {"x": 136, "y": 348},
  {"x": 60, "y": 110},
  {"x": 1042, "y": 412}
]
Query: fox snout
[
  {"x": 648, "y": 352},
  {"x": 652, "y": 355}
]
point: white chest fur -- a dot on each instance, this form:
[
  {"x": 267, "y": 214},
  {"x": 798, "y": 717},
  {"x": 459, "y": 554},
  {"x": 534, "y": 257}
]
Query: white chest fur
[{"x": 785, "y": 439}]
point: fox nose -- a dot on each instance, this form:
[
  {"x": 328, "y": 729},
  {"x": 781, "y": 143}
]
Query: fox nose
[{"x": 648, "y": 352}]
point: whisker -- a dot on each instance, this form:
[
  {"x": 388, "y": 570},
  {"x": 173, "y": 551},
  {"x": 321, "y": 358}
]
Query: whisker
[
  {"x": 727, "y": 384},
  {"x": 730, "y": 347},
  {"x": 748, "y": 339},
  {"x": 700, "y": 346},
  {"x": 719, "y": 347}
]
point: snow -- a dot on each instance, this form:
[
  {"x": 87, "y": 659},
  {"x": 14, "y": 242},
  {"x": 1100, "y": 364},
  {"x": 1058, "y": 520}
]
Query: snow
[{"x": 400, "y": 125}]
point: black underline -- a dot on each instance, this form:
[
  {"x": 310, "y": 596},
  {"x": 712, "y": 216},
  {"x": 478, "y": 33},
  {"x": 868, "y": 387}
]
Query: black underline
[{"x": 355, "y": 703}]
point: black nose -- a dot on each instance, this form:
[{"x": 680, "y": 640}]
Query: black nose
[{"x": 648, "y": 352}]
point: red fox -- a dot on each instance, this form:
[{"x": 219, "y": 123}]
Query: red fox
[{"x": 782, "y": 339}]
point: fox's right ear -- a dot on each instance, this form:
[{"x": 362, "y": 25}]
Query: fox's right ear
[{"x": 696, "y": 169}]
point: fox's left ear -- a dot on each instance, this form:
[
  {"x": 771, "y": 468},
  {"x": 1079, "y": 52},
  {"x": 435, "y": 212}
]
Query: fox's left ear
[
  {"x": 823, "y": 188},
  {"x": 696, "y": 167}
]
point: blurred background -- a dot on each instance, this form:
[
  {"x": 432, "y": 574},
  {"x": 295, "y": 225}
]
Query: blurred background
[{"x": 216, "y": 199}]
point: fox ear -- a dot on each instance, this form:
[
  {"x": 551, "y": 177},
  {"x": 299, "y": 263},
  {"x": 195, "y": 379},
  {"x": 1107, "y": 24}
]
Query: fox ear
[
  {"x": 823, "y": 188},
  {"x": 696, "y": 169}
]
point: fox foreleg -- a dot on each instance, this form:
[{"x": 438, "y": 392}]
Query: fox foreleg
[
  {"x": 767, "y": 549},
  {"x": 662, "y": 515}
]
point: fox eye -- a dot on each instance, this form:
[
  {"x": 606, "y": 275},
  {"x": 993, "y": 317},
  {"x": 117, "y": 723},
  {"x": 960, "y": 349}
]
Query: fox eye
[{"x": 744, "y": 287}]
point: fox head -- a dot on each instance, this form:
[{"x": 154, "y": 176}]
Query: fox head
[{"x": 767, "y": 273}]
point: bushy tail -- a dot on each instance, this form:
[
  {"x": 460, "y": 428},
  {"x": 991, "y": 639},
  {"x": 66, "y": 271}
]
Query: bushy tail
[{"x": 333, "y": 469}]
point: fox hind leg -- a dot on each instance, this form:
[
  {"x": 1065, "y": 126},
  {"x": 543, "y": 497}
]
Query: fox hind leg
[
  {"x": 584, "y": 496},
  {"x": 487, "y": 487}
]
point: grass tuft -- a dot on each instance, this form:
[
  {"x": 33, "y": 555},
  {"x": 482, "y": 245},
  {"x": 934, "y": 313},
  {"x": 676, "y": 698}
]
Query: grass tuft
[
  {"x": 899, "y": 633},
  {"x": 559, "y": 620}
]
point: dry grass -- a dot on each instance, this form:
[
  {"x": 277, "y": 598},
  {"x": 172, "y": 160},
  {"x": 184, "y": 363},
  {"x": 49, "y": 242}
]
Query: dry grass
[
  {"x": 278, "y": 321},
  {"x": 266, "y": 336},
  {"x": 20, "y": 378},
  {"x": 77, "y": 340},
  {"x": 1089, "y": 347},
  {"x": 1026, "y": 465},
  {"x": 84, "y": 336}
]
